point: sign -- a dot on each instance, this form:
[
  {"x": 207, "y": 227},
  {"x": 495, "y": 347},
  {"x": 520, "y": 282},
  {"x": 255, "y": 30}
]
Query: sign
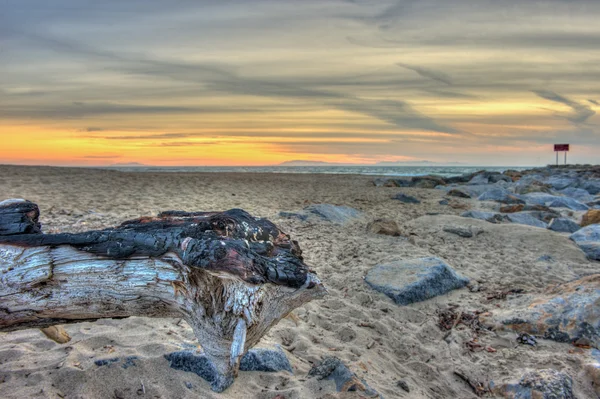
[{"x": 561, "y": 147}]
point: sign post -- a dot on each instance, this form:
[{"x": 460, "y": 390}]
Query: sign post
[{"x": 560, "y": 148}]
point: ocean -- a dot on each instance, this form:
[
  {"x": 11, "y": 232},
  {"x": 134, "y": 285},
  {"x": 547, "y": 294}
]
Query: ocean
[{"x": 445, "y": 171}]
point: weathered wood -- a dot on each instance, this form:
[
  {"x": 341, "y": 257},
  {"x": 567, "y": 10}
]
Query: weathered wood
[{"x": 229, "y": 275}]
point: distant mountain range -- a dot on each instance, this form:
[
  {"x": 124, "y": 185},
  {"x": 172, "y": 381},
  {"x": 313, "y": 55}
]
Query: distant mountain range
[{"x": 382, "y": 163}]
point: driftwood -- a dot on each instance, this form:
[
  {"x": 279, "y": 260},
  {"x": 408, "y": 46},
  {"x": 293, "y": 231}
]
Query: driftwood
[{"x": 230, "y": 275}]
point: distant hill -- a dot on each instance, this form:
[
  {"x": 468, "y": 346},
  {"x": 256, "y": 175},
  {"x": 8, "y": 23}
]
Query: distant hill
[
  {"x": 307, "y": 163},
  {"x": 121, "y": 164}
]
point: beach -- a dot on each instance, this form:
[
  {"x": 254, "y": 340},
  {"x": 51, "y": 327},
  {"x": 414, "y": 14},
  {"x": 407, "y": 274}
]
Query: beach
[{"x": 380, "y": 341}]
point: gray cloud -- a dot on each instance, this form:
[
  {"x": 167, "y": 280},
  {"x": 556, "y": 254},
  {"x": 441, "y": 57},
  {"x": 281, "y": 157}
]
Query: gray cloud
[
  {"x": 428, "y": 73},
  {"x": 580, "y": 113}
]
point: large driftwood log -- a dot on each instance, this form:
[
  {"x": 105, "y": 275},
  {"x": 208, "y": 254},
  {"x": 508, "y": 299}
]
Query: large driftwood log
[{"x": 231, "y": 276}]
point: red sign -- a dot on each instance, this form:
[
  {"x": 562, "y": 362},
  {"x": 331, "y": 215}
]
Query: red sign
[{"x": 561, "y": 147}]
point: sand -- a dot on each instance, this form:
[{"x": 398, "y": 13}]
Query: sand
[{"x": 380, "y": 341}]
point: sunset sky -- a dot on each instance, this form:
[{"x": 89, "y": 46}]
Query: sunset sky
[{"x": 87, "y": 82}]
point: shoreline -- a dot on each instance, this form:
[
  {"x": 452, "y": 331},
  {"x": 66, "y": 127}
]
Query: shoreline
[{"x": 378, "y": 340}]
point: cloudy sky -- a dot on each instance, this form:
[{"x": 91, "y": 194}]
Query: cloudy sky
[{"x": 256, "y": 82}]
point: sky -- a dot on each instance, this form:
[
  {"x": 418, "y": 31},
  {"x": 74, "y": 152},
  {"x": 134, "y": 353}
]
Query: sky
[{"x": 259, "y": 82}]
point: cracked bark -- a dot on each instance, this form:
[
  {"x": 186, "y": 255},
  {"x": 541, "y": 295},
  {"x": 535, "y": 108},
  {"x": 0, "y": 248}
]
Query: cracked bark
[{"x": 229, "y": 275}]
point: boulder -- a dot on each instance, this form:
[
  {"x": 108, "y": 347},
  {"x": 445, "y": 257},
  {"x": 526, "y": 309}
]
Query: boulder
[
  {"x": 579, "y": 194},
  {"x": 407, "y": 199},
  {"x": 500, "y": 195},
  {"x": 428, "y": 181},
  {"x": 409, "y": 281},
  {"x": 592, "y": 186},
  {"x": 534, "y": 187},
  {"x": 254, "y": 360},
  {"x": 542, "y": 384},
  {"x": 466, "y": 232},
  {"x": 566, "y": 202},
  {"x": 479, "y": 179},
  {"x": 514, "y": 175},
  {"x": 384, "y": 226},
  {"x": 337, "y": 214},
  {"x": 591, "y": 217},
  {"x": 332, "y": 368},
  {"x": 491, "y": 217},
  {"x": 563, "y": 225},
  {"x": 496, "y": 177},
  {"x": 588, "y": 239},
  {"x": 560, "y": 182},
  {"x": 539, "y": 198},
  {"x": 568, "y": 312},
  {"x": 459, "y": 192},
  {"x": 525, "y": 218}
]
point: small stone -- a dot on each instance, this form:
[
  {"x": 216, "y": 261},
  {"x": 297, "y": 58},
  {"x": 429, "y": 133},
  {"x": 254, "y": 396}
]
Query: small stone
[
  {"x": 456, "y": 192},
  {"x": 444, "y": 202},
  {"x": 332, "y": 368},
  {"x": 491, "y": 217},
  {"x": 403, "y": 385},
  {"x": 56, "y": 334},
  {"x": 459, "y": 231},
  {"x": 407, "y": 199},
  {"x": 384, "y": 226}
]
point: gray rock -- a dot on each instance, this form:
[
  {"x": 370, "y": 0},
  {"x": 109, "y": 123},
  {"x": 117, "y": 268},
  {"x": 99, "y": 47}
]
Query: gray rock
[
  {"x": 500, "y": 195},
  {"x": 334, "y": 213},
  {"x": 542, "y": 384},
  {"x": 459, "y": 231},
  {"x": 592, "y": 186},
  {"x": 561, "y": 182},
  {"x": 498, "y": 177},
  {"x": 331, "y": 213},
  {"x": 569, "y": 312},
  {"x": 479, "y": 179},
  {"x": 407, "y": 199},
  {"x": 254, "y": 360},
  {"x": 332, "y": 368},
  {"x": 491, "y": 217},
  {"x": 267, "y": 360},
  {"x": 444, "y": 202},
  {"x": 566, "y": 202},
  {"x": 563, "y": 225},
  {"x": 384, "y": 226},
  {"x": 525, "y": 218},
  {"x": 588, "y": 239},
  {"x": 409, "y": 281},
  {"x": 459, "y": 192},
  {"x": 579, "y": 194},
  {"x": 539, "y": 198}
]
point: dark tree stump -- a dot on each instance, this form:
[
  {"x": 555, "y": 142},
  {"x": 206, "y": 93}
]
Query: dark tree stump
[{"x": 230, "y": 275}]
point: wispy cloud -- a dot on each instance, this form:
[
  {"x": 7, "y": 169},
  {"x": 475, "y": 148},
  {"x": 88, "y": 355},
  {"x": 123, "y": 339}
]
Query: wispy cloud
[
  {"x": 580, "y": 112},
  {"x": 428, "y": 73}
]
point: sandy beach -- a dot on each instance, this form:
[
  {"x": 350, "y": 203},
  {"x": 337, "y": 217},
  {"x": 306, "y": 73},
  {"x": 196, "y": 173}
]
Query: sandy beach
[{"x": 377, "y": 339}]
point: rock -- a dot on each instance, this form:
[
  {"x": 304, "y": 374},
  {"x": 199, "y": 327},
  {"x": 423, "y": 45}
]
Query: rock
[
  {"x": 294, "y": 215},
  {"x": 409, "y": 281},
  {"x": 266, "y": 360},
  {"x": 428, "y": 181},
  {"x": 444, "y": 202},
  {"x": 403, "y": 385},
  {"x": 332, "y": 368},
  {"x": 592, "y": 371},
  {"x": 332, "y": 213},
  {"x": 569, "y": 312},
  {"x": 566, "y": 202},
  {"x": 56, "y": 334},
  {"x": 387, "y": 182},
  {"x": 384, "y": 226},
  {"x": 588, "y": 239},
  {"x": 460, "y": 193},
  {"x": 512, "y": 208},
  {"x": 514, "y": 175},
  {"x": 465, "y": 232},
  {"x": 491, "y": 217},
  {"x": 525, "y": 218},
  {"x": 254, "y": 360},
  {"x": 561, "y": 182},
  {"x": 579, "y": 194},
  {"x": 533, "y": 187},
  {"x": 591, "y": 186},
  {"x": 479, "y": 179},
  {"x": 591, "y": 217},
  {"x": 496, "y": 177},
  {"x": 542, "y": 384},
  {"x": 407, "y": 199},
  {"x": 563, "y": 225},
  {"x": 500, "y": 195}
]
